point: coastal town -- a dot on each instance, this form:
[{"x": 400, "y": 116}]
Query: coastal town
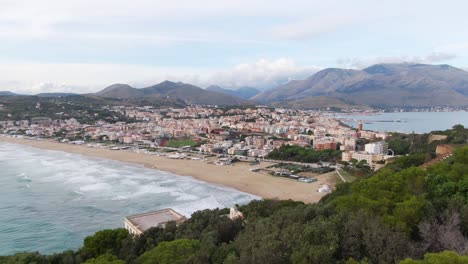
[
  {"x": 250, "y": 132},
  {"x": 220, "y": 136}
]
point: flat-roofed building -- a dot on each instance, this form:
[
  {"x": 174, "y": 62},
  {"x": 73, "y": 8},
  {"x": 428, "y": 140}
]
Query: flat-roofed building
[
  {"x": 137, "y": 224},
  {"x": 377, "y": 148}
]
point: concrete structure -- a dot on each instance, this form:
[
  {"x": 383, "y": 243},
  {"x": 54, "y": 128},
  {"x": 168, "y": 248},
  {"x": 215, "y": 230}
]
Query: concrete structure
[
  {"x": 137, "y": 224},
  {"x": 234, "y": 213},
  {"x": 377, "y": 148},
  {"x": 368, "y": 157},
  {"x": 437, "y": 137}
]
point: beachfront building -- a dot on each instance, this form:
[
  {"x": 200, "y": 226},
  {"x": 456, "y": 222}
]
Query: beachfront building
[{"x": 137, "y": 224}]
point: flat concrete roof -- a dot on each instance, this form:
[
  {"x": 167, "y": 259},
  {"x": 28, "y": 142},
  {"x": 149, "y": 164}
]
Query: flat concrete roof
[{"x": 151, "y": 219}]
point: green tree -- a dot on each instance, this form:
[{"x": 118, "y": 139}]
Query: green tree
[
  {"x": 178, "y": 251},
  {"x": 105, "y": 259},
  {"x": 24, "y": 258},
  {"x": 105, "y": 241},
  {"x": 445, "y": 257}
]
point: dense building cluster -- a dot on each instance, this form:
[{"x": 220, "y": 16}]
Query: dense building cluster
[{"x": 253, "y": 132}]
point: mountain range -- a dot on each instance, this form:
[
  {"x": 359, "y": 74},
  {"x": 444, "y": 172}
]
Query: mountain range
[
  {"x": 381, "y": 85},
  {"x": 55, "y": 94},
  {"x": 243, "y": 92},
  {"x": 186, "y": 92},
  {"x": 6, "y": 93}
]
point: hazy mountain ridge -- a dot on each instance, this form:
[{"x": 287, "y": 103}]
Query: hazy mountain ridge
[
  {"x": 381, "y": 85},
  {"x": 243, "y": 92},
  {"x": 167, "y": 89},
  {"x": 318, "y": 102},
  {"x": 6, "y": 93},
  {"x": 55, "y": 94}
]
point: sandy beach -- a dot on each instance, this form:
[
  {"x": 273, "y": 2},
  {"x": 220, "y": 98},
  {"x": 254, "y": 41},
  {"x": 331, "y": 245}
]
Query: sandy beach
[{"x": 237, "y": 176}]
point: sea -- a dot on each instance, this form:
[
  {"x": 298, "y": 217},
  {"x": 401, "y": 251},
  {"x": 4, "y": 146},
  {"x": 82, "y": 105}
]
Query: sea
[
  {"x": 51, "y": 200},
  {"x": 408, "y": 122}
]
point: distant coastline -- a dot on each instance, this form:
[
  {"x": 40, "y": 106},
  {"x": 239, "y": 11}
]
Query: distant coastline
[
  {"x": 237, "y": 176},
  {"x": 406, "y": 122}
]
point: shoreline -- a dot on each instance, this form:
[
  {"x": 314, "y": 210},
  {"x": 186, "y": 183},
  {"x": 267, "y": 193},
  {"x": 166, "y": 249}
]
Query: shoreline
[{"x": 237, "y": 176}]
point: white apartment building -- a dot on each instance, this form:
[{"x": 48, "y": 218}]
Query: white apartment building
[
  {"x": 368, "y": 157},
  {"x": 377, "y": 148}
]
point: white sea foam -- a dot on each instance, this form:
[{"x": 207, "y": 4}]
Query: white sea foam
[{"x": 70, "y": 196}]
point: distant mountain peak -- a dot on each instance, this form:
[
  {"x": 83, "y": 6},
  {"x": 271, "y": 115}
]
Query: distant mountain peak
[
  {"x": 384, "y": 84},
  {"x": 168, "y": 89},
  {"x": 242, "y": 92}
]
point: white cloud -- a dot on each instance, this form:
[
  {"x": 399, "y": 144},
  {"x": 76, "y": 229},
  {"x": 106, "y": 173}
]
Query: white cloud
[
  {"x": 262, "y": 73},
  {"x": 78, "y": 18},
  {"x": 34, "y": 78},
  {"x": 52, "y": 87},
  {"x": 316, "y": 25},
  {"x": 459, "y": 48}
]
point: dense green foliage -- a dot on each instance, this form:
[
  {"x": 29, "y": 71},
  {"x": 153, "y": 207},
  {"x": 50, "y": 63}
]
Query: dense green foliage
[
  {"x": 403, "y": 144},
  {"x": 301, "y": 154},
  {"x": 105, "y": 241},
  {"x": 105, "y": 259},
  {"x": 446, "y": 257},
  {"x": 178, "y": 251},
  {"x": 400, "y": 213}
]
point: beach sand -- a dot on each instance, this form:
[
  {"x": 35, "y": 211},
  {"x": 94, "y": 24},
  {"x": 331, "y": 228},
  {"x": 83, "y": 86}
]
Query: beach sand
[{"x": 237, "y": 176}]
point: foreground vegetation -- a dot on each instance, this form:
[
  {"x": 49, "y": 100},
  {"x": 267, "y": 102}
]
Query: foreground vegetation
[{"x": 400, "y": 212}]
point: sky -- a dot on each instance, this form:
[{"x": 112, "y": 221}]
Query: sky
[{"x": 83, "y": 46}]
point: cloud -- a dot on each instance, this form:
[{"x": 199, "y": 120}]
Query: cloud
[
  {"x": 262, "y": 73},
  {"x": 359, "y": 63},
  {"x": 436, "y": 57},
  {"x": 171, "y": 20},
  {"x": 459, "y": 48},
  {"x": 52, "y": 87},
  {"x": 31, "y": 78},
  {"x": 316, "y": 26},
  {"x": 44, "y": 19}
]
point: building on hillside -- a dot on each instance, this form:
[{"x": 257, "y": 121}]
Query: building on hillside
[
  {"x": 321, "y": 145},
  {"x": 137, "y": 224},
  {"x": 357, "y": 155},
  {"x": 360, "y": 126},
  {"x": 235, "y": 214},
  {"x": 377, "y": 148},
  {"x": 41, "y": 121}
]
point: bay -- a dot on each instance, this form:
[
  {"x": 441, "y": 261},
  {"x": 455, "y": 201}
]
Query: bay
[{"x": 408, "y": 122}]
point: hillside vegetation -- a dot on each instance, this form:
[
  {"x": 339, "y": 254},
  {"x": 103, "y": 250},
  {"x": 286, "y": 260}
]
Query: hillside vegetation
[{"x": 85, "y": 109}]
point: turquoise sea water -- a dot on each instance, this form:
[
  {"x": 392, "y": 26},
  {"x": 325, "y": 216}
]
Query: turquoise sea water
[
  {"x": 50, "y": 200},
  {"x": 407, "y": 122}
]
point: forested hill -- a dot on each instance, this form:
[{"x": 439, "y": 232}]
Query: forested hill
[{"x": 399, "y": 213}]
